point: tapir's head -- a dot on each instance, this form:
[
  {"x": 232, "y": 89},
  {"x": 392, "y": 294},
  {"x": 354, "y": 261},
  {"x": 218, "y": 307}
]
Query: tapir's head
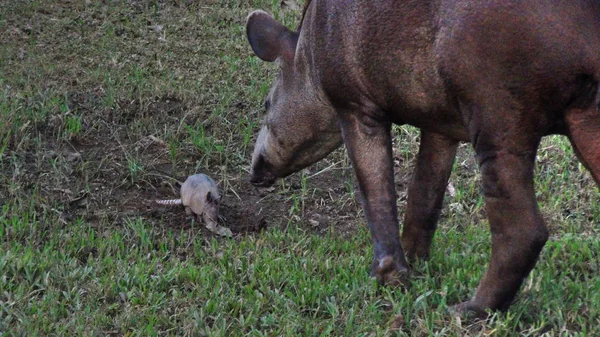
[{"x": 300, "y": 126}]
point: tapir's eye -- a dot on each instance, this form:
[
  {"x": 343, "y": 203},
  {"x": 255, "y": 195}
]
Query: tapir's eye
[{"x": 267, "y": 104}]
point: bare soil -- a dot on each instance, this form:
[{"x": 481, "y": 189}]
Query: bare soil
[{"x": 87, "y": 177}]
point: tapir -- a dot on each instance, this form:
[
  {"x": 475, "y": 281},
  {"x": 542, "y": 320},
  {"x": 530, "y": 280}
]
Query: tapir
[{"x": 500, "y": 74}]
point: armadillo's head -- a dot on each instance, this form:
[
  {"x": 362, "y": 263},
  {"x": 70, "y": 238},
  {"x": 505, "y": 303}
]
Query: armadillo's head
[
  {"x": 204, "y": 204},
  {"x": 300, "y": 126},
  {"x": 211, "y": 208}
]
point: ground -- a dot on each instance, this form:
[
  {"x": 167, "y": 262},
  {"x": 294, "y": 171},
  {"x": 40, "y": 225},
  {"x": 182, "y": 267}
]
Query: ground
[{"x": 106, "y": 106}]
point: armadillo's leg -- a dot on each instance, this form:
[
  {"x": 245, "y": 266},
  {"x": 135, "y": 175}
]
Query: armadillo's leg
[
  {"x": 426, "y": 192},
  {"x": 188, "y": 211},
  {"x": 369, "y": 145},
  {"x": 506, "y": 143},
  {"x": 584, "y": 132}
]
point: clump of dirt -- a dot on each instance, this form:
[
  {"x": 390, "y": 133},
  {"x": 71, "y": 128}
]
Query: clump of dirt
[{"x": 242, "y": 219}]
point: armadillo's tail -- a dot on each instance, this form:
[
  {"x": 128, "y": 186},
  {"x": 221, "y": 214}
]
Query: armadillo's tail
[{"x": 169, "y": 202}]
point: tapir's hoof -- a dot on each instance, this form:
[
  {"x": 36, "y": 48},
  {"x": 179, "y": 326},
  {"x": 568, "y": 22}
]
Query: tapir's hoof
[
  {"x": 389, "y": 272},
  {"x": 416, "y": 249},
  {"x": 468, "y": 310},
  {"x": 414, "y": 256}
]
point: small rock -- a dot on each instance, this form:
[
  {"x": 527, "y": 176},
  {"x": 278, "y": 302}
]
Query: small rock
[
  {"x": 397, "y": 323},
  {"x": 156, "y": 28},
  {"x": 451, "y": 190},
  {"x": 289, "y": 4}
]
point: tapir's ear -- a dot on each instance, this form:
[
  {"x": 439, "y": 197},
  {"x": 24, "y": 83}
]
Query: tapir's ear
[{"x": 270, "y": 39}]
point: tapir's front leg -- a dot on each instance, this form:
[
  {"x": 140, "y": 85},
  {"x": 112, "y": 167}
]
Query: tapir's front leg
[
  {"x": 369, "y": 145},
  {"x": 426, "y": 192}
]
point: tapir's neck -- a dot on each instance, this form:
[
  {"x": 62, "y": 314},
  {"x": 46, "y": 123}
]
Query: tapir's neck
[{"x": 306, "y": 60}]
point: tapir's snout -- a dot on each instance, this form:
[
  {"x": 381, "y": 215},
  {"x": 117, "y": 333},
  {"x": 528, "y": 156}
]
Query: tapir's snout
[{"x": 260, "y": 175}]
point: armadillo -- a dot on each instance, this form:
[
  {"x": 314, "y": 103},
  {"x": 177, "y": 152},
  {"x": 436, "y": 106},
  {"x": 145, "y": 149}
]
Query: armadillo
[{"x": 200, "y": 196}]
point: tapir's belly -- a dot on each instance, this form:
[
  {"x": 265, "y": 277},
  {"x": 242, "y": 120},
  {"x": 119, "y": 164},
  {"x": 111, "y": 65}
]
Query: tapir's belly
[
  {"x": 439, "y": 119},
  {"x": 416, "y": 98}
]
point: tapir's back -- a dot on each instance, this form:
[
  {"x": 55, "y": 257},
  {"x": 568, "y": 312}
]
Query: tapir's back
[
  {"x": 518, "y": 41},
  {"x": 414, "y": 58}
]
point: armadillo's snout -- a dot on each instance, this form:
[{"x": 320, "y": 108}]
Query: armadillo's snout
[{"x": 260, "y": 175}]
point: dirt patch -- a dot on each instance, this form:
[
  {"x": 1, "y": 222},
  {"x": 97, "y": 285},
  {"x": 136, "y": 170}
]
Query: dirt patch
[
  {"x": 111, "y": 172},
  {"x": 242, "y": 219},
  {"x": 120, "y": 112}
]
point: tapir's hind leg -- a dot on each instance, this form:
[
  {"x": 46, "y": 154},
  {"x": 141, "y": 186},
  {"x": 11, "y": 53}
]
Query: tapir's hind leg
[
  {"x": 584, "y": 133},
  {"x": 426, "y": 192},
  {"x": 506, "y": 147}
]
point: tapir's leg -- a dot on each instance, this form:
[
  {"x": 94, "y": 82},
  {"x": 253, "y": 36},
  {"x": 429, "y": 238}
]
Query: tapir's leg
[
  {"x": 584, "y": 133},
  {"x": 369, "y": 145},
  {"x": 506, "y": 153},
  {"x": 426, "y": 192}
]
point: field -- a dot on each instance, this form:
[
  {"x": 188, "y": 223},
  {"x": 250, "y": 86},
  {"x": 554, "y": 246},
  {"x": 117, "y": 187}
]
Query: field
[{"x": 106, "y": 105}]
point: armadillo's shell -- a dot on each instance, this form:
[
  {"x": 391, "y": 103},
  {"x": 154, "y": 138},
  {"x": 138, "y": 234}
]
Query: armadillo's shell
[{"x": 194, "y": 191}]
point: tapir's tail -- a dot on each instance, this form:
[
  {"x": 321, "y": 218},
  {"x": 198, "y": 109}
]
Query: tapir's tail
[{"x": 169, "y": 202}]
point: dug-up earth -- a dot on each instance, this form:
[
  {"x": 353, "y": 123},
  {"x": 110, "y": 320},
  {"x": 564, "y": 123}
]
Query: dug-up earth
[{"x": 110, "y": 172}]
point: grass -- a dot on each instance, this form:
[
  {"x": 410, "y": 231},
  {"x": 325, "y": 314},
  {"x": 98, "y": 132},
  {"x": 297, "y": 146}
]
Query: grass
[{"x": 104, "y": 106}]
